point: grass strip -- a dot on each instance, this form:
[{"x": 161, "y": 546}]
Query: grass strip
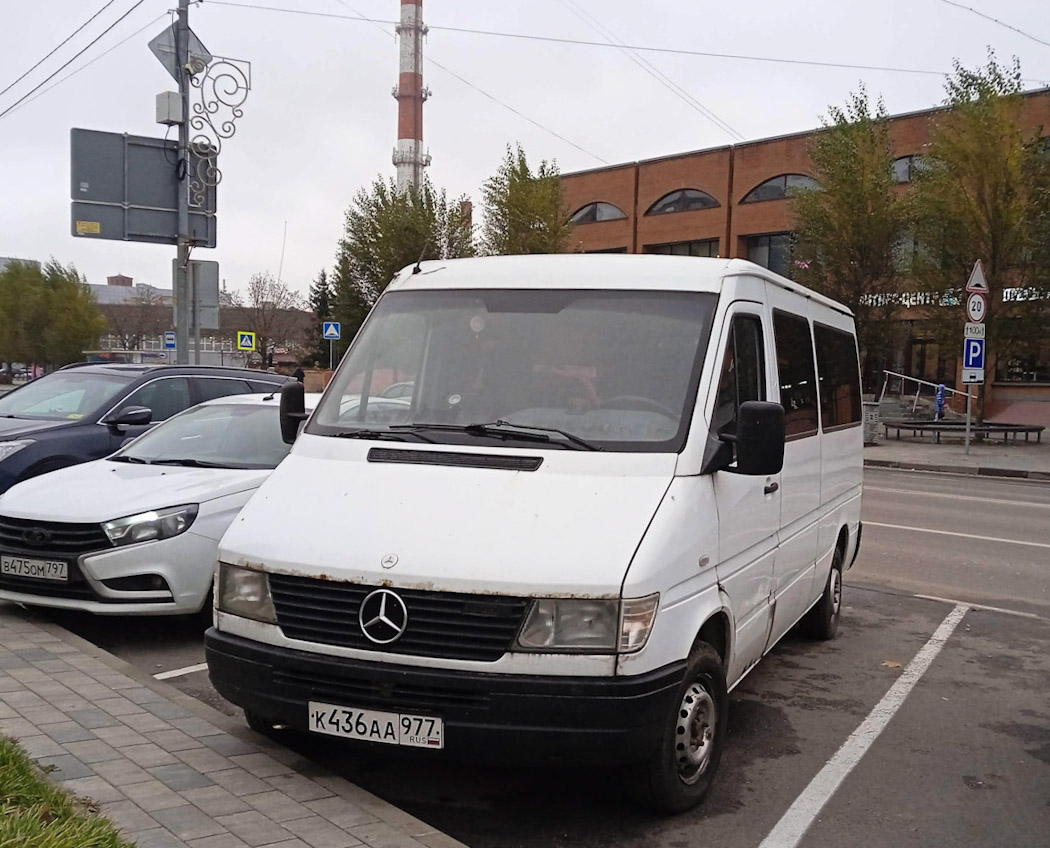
[{"x": 37, "y": 814}]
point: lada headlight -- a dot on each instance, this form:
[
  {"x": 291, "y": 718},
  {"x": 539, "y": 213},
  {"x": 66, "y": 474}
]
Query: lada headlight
[
  {"x": 146, "y": 526},
  {"x": 245, "y": 592}
]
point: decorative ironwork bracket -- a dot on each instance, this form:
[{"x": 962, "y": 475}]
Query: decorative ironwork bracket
[{"x": 217, "y": 96}]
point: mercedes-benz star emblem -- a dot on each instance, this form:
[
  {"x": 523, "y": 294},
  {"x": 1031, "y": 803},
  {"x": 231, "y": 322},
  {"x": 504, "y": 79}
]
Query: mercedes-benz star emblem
[
  {"x": 389, "y": 561},
  {"x": 36, "y": 536},
  {"x": 383, "y": 617}
]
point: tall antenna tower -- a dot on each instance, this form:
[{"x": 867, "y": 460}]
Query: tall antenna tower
[{"x": 410, "y": 94}]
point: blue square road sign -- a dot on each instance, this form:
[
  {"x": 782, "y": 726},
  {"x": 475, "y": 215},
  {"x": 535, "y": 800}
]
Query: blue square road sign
[
  {"x": 331, "y": 330},
  {"x": 973, "y": 353}
]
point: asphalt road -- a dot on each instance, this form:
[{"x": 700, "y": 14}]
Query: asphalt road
[{"x": 964, "y": 760}]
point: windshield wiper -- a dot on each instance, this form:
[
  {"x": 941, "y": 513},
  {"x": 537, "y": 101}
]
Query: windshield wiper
[
  {"x": 191, "y": 463},
  {"x": 380, "y": 435},
  {"x": 125, "y": 458},
  {"x": 507, "y": 430}
]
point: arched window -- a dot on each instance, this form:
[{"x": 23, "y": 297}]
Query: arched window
[
  {"x": 906, "y": 167},
  {"x": 683, "y": 200},
  {"x": 777, "y": 188},
  {"x": 599, "y": 211}
]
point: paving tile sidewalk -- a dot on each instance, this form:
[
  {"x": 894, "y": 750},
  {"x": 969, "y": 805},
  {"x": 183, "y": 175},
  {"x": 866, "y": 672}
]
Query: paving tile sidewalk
[
  {"x": 1030, "y": 460},
  {"x": 168, "y": 770}
]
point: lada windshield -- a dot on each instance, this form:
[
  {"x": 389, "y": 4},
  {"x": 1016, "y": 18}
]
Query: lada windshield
[
  {"x": 551, "y": 368},
  {"x": 213, "y": 436}
]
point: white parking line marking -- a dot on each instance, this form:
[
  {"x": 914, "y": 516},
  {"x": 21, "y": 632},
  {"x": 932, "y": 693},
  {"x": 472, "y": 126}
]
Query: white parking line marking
[
  {"x": 179, "y": 672},
  {"x": 955, "y": 497},
  {"x": 978, "y": 606},
  {"x": 793, "y": 825},
  {"x": 960, "y": 535}
]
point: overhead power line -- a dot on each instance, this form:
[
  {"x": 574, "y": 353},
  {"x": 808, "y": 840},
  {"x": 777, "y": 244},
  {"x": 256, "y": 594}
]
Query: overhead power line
[
  {"x": 69, "y": 62},
  {"x": 651, "y": 69},
  {"x": 603, "y": 44},
  {"x": 997, "y": 21},
  {"x": 62, "y": 44},
  {"x": 87, "y": 65},
  {"x": 380, "y": 26}
]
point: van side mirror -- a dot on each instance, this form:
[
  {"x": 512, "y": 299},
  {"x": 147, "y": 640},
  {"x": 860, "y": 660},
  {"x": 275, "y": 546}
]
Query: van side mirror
[
  {"x": 760, "y": 438},
  {"x": 129, "y": 416},
  {"x": 293, "y": 410},
  {"x": 759, "y": 441}
]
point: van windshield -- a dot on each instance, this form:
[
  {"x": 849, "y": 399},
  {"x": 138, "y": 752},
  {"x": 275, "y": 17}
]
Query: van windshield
[{"x": 614, "y": 370}]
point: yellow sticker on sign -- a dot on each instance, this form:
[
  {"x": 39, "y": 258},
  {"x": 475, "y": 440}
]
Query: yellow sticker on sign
[
  {"x": 245, "y": 341},
  {"x": 88, "y": 228}
]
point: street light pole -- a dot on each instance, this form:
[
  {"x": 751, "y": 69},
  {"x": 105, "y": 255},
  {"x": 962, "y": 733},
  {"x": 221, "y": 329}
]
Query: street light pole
[{"x": 182, "y": 294}]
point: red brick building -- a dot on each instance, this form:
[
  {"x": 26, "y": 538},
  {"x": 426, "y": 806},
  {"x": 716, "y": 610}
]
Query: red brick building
[{"x": 733, "y": 202}]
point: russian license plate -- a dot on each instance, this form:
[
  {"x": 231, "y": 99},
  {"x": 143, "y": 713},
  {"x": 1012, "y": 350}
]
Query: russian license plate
[
  {"x": 41, "y": 569},
  {"x": 413, "y": 731}
]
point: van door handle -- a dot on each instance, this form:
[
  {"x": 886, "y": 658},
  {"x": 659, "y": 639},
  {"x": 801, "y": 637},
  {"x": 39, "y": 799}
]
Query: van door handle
[{"x": 770, "y": 488}]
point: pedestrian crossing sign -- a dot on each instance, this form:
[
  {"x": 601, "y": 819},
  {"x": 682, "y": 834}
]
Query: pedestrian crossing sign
[{"x": 245, "y": 340}]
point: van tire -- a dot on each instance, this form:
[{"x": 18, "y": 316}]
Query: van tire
[
  {"x": 679, "y": 773},
  {"x": 822, "y": 621}
]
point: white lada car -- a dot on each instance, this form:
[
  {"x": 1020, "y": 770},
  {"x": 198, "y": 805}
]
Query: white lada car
[{"x": 136, "y": 533}]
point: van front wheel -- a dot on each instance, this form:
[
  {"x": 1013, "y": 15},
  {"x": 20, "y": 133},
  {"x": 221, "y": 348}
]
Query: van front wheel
[
  {"x": 678, "y": 775},
  {"x": 822, "y": 621}
]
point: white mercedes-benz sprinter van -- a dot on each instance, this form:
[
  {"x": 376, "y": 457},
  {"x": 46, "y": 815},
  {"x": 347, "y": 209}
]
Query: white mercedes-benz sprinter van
[{"x": 551, "y": 508}]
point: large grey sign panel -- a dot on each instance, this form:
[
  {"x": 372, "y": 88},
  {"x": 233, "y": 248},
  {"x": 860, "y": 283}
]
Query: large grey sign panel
[
  {"x": 206, "y": 275},
  {"x": 125, "y": 187}
]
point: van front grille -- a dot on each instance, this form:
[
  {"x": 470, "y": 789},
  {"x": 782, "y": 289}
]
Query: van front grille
[
  {"x": 440, "y": 624},
  {"x": 372, "y": 694}
]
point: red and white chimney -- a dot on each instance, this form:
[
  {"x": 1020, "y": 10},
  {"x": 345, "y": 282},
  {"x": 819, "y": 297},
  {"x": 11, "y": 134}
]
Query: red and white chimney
[{"x": 410, "y": 94}]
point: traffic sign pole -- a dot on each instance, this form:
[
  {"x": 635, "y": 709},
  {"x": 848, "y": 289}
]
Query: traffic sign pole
[{"x": 968, "y": 396}]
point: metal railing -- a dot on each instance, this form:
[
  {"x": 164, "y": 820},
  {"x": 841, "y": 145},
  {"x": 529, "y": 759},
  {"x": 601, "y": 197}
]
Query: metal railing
[{"x": 918, "y": 391}]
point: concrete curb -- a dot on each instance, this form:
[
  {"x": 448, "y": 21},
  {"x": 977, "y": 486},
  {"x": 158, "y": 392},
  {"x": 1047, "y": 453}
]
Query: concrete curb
[
  {"x": 416, "y": 830},
  {"x": 972, "y": 471}
]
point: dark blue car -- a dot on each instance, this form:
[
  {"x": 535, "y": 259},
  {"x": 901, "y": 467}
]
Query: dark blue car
[{"x": 84, "y": 412}]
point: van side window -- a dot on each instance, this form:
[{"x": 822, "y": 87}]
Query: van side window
[
  {"x": 839, "y": 377},
  {"x": 798, "y": 384},
  {"x": 743, "y": 372}
]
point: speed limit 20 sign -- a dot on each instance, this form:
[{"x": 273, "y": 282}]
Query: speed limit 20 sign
[{"x": 976, "y": 307}]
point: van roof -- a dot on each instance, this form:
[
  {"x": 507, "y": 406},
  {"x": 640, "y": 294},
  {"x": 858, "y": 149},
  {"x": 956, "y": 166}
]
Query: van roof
[{"x": 592, "y": 271}]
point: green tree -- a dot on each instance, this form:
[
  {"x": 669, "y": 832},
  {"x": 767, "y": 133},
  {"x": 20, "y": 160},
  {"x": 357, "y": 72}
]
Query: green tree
[
  {"x": 48, "y": 316},
  {"x": 984, "y": 193},
  {"x": 320, "y": 300},
  {"x": 524, "y": 210},
  {"x": 386, "y": 230},
  {"x": 848, "y": 232}
]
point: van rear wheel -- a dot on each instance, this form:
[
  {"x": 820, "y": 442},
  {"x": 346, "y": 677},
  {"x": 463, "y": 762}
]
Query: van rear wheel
[
  {"x": 822, "y": 621},
  {"x": 680, "y": 772}
]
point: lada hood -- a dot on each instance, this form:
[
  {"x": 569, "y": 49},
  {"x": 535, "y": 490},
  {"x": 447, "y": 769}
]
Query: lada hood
[
  {"x": 570, "y": 527},
  {"x": 104, "y": 490}
]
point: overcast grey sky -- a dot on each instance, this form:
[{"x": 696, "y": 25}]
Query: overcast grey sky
[{"x": 320, "y": 121}]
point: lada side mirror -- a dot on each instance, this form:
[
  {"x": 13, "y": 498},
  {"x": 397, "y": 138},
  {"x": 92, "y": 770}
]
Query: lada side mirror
[
  {"x": 293, "y": 410},
  {"x": 759, "y": 442},
  {"x": 129, "y": 416}
]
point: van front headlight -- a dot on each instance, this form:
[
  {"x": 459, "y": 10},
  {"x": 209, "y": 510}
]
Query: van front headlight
[
  {"x": 588, "y": 626},
  {"x": 245, "y": 592}
]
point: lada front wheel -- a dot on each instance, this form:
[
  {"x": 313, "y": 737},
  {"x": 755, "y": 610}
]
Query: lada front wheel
[{"x": 678, "y": 775}]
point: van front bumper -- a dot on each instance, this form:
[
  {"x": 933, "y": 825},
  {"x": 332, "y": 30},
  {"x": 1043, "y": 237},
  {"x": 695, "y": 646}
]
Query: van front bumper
[{"x": 504, "y": 718}]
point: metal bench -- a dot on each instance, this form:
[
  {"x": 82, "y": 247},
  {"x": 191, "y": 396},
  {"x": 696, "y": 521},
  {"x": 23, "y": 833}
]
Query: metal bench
[{"x": 921, "y": 428}]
